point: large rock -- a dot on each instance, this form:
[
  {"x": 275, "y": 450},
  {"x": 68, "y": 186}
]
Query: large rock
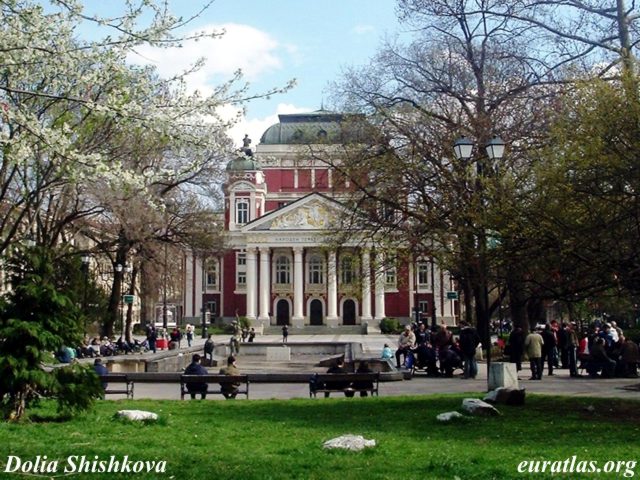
[
  {"x": 478, "y": 408},
  {"x": 137, "y": 415},
  {"x": 506, "y": 396},
  {"x": 350, "y": 442},
  {"x": 448, "y": 416}
]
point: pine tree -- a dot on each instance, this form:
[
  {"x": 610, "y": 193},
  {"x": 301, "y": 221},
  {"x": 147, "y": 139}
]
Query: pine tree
[{"x": 35, "y": 318}]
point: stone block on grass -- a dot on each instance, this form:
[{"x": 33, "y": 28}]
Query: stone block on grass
[
  {"x": 350, "y": 442},
  {"x": 479, "y": 408},
  {"x": 503, "y": 375}
]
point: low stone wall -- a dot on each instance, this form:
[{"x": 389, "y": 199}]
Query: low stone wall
[
  {"x": 174, "y": 361},
  {"x": 329, "y": 348}
]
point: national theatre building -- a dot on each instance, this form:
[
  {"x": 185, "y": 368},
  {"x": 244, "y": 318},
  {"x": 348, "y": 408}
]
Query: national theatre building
[{"x": 280, "y": 265}]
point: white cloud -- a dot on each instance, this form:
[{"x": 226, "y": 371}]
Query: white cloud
[
  {"x": 241, "y": 47},
  {"x": 363, "y": 29}
]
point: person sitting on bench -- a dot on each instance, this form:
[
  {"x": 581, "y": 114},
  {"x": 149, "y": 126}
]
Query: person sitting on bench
[
  {"x": 363, "y": 368},
  {"x": 230, "y": 390},
  {"x": 338, "y": 368},
  {"x": 195, "y": 368},
  {"x": 101, "y": 371}
]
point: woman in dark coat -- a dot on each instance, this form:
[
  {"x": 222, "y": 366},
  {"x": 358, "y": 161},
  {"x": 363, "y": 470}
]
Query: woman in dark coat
[{"x": 516, "y": 347}]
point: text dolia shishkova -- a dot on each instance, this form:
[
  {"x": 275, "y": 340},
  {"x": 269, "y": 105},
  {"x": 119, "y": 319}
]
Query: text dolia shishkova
[{"x": 83, "y": 464}]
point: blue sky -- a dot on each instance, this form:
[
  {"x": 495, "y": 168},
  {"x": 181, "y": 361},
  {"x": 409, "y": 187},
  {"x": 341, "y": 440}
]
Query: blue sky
[{"x": 274, "y": 41}]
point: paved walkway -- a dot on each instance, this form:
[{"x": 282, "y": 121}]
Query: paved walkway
[{"x": 560, "y": 384}]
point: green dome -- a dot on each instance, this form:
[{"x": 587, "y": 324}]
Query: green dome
[
  {"x": 301, "y": 128},
  {"x": 243, "y": 163}
]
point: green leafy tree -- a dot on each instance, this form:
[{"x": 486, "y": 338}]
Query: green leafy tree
[{"x": 36, "y": 318}]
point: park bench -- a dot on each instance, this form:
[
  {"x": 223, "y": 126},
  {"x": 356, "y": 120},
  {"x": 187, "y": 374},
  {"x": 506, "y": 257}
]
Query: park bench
[
  {"x": 328, "y": 383},
  {"x": 125, "y": 385},
  {"x": 214, "y": 380}
]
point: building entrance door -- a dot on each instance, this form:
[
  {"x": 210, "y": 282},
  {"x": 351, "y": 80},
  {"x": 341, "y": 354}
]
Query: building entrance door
[
  {"x": 282, "y": 312},
  {"x": 349, "y": 312},
  {"x": 315, "y": 312}
]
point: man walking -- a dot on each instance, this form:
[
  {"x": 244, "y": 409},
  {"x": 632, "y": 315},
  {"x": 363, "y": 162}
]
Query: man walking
[{"x": 533, "y": 347}]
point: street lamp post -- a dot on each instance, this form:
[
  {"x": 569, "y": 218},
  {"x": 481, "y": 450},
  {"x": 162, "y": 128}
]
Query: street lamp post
[
  {"x": 463, "y": 148},
  {"x": 85, "y": 277}
]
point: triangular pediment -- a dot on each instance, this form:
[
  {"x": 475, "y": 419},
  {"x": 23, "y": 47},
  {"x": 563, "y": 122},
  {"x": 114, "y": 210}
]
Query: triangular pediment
[{"x": 313, "y": 212}]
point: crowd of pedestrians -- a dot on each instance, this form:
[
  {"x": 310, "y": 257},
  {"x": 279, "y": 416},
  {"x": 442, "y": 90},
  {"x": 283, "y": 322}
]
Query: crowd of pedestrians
[
  {"x": 601, "y": 351},
  {"x": 437, "y": 350}
]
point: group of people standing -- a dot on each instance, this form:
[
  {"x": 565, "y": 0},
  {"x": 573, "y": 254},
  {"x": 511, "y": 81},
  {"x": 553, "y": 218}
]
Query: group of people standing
[
  {"x": 437, "y": 350},
  {"x": 602, "y": 351}
]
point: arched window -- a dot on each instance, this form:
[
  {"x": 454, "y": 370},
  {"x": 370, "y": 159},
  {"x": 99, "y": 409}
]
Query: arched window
[
  {"x": 283, "y": 270},
  {"x": 316, "y": 270},
  {"x": 347, "y": 270}
]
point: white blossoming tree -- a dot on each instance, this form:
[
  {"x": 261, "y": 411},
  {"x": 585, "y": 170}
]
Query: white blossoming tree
[{"x": 90, "y": 142}]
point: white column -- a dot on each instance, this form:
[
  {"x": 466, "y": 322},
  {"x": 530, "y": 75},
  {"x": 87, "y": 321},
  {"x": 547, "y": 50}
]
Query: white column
[
  {"x": 252, "y": 282},
  {"x": 379, "y": 282},
  {"x": 232, "y": 211},
  {"x": 366, "y": 285},
  {"x": 265, "y": 285},
  {"x": 332, "y": 278},
  {"x": 298, "y": 288}
]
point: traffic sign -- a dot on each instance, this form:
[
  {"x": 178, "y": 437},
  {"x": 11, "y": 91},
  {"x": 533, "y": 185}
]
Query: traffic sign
[{"x": 128, "y": 298}]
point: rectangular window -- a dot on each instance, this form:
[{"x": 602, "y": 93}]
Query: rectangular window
[
  {"x": 241, "y": 269},
  {"x": 316, "y": 270},
  {"x": 390, "y": 276},
  {"x": 423, "y": 274},
  {"x": 242, "y": 211},
  {"x": 213, "y": 308},
  {"x": 212, "y": 273},
  {"x": 423, "y": 306}
]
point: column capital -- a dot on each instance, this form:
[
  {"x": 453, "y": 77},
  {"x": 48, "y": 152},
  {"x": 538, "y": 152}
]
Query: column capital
[
  {"x": 298, "y": 250},
  {"x": 264, "y": 249}
]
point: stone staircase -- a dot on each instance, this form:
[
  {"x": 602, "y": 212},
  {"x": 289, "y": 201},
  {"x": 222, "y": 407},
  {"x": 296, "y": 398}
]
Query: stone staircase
[{"x": 316, "y": 330}]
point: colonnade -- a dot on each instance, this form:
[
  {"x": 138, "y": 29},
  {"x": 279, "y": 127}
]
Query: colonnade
[{"x": 258, "y": 286}]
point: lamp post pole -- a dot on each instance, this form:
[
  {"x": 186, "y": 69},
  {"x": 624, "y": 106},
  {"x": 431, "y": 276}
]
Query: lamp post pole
[
  {"x": 463, "y": 148},
  {"x": 85, "y": 279}
]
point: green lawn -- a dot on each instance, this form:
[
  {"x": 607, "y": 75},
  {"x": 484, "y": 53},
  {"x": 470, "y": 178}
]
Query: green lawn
[{"x": 283, "y": 438}]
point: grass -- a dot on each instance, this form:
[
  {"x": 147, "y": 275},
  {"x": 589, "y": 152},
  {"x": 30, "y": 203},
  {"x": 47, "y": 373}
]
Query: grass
[{"x": 282, "y": 439}]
